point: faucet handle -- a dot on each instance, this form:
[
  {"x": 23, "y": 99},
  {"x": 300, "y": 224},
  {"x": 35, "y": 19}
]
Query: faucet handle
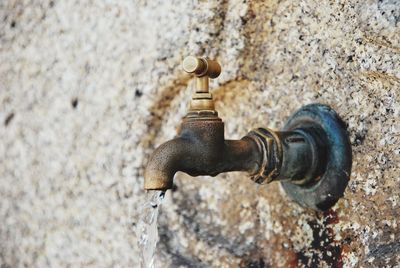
[
  {"x": 201, "y": 67},
  {"x": 204, "y": 69}
]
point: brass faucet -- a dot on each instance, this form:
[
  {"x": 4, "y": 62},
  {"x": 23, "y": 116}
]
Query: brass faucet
[{"x": 311, "y": 157}]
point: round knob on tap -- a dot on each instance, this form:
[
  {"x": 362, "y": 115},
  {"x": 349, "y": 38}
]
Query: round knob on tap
[{"x": 201, "y": 67}]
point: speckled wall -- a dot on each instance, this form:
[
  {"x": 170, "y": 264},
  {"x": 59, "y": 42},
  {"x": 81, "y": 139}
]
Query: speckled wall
[{"x": 89, "y": 88}]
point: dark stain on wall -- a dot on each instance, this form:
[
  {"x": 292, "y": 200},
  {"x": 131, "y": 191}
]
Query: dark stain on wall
[
  {"x": 384, "y": 253},
  {"x": 8, "y": 119},
  {"x": 324, "y": 248}
]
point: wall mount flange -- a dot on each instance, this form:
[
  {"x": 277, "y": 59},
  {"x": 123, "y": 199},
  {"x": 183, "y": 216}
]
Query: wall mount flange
[{"x": 324, "y": 191}]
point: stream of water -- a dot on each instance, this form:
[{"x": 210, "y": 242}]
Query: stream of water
[{"x": 146, "y": 230}]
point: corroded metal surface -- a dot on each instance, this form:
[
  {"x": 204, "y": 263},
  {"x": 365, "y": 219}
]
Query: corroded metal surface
[
  {"x": 200, "y": 149},
  {"x": 331, "y": 156},
  {"x": 312, "y": 157}
]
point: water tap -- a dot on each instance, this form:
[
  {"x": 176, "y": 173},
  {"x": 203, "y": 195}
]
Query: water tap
[{"x": 311, "y": 156}]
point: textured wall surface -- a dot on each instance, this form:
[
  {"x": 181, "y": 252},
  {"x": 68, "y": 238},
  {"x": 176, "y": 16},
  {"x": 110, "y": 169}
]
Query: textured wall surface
[{"x": 88, "y": 89}]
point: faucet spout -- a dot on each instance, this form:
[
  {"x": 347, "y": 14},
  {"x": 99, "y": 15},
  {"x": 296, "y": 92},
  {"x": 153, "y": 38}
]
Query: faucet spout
[{"x": 164, "y": 163}]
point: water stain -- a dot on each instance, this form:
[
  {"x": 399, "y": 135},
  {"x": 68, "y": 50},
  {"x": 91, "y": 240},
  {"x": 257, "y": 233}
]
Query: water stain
[{"x": 324, "y": 248}]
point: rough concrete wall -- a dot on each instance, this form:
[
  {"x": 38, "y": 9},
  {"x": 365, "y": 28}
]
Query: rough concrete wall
[{"x": 89, "y": 88}]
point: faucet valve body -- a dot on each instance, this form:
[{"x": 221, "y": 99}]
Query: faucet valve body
[{"x": 311, "y": 156}]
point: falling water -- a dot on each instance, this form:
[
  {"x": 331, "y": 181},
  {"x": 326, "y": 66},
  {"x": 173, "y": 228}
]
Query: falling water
[{"x": 146, "y": 231}]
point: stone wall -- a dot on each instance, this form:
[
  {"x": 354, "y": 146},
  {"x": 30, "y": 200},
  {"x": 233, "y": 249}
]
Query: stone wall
[{"x": 89, "y": 88}]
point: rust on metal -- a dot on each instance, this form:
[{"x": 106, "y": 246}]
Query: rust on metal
[{"x": 297, "y": 156}]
